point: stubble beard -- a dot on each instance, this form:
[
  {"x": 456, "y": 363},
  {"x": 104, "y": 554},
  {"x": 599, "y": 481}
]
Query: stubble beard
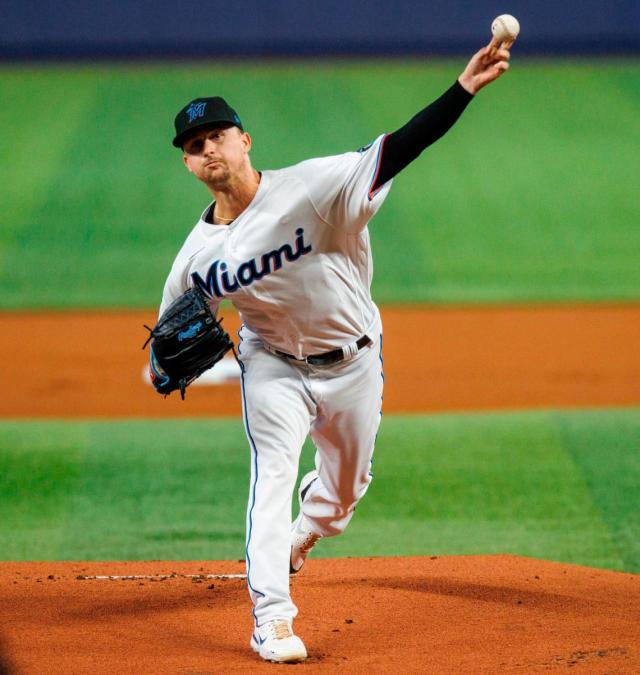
[{"x": 219, "y": 179}]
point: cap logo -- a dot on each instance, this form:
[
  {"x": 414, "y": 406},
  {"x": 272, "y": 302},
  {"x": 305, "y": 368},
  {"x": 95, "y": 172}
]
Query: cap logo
[{"x": 195, "y": 110}]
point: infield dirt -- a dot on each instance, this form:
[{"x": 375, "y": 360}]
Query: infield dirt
[{"x": 89, "y": 365}]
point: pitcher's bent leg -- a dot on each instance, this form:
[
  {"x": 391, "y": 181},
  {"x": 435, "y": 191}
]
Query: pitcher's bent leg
[{"x": 349, "y": 400}]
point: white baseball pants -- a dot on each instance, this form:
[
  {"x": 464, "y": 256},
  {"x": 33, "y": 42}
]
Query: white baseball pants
[{"x": 283, "y": 401}]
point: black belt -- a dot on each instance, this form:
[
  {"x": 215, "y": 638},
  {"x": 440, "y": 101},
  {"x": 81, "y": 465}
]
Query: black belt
[{"x": 328, "y": 358}]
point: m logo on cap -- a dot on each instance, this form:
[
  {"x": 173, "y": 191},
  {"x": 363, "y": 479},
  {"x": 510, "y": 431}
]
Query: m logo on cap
[{"x": 195, "y": 110}]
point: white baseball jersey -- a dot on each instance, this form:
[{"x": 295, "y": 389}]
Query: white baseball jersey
[{"x": 296, "y": 263}]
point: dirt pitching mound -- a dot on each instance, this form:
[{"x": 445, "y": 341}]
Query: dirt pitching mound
[{"x": 462, "y": 614}]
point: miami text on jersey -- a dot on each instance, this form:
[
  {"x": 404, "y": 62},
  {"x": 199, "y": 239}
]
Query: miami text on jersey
[{"x": 220, "y": 281}]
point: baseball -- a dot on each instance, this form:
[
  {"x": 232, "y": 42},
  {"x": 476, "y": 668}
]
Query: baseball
[{"x": 505, "y": 27}]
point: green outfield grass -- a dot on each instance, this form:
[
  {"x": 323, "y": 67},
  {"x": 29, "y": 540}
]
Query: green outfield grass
[
  {"x": 555, "y": 485},
  {"x": 532, "y": 196}
]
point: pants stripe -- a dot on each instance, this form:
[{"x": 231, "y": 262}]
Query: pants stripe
[{"x": 252, "y": 489}]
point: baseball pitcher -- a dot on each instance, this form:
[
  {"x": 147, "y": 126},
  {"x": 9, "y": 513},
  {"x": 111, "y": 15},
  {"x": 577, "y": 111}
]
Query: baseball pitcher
[{"x": 290, "y": 249}]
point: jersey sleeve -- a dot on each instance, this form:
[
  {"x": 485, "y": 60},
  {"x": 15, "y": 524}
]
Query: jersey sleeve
[
  {"x": 178, "y": 282},
  {"x": 341, "y": 187},
  {"x": 172, "y": 290}
]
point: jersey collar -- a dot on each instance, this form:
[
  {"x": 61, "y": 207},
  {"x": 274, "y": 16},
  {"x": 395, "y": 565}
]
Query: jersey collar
[{"x": 265, "y": 178}]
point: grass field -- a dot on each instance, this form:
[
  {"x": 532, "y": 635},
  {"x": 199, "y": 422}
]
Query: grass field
[
  {"x": 530, "y": 197},
  {"x": 555, "y": 485}
]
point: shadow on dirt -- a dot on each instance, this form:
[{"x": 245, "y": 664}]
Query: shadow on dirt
[
  {"x": 6, "y": 667},
  {"x": 481, "y": 592}
]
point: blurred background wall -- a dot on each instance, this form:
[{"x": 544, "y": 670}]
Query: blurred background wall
[{"x": 164, "y": 28}]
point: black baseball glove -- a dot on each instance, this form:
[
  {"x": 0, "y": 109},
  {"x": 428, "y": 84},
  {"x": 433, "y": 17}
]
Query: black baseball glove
[{"x": 186, "y": 341}]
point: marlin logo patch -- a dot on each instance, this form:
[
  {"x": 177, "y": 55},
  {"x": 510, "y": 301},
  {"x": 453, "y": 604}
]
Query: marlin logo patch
[
  {"x": 219, "y": 280},
  {"x": 190, "y": 332},
  {"x": 196, "y": 110}
]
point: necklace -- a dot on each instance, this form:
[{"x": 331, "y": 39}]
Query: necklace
[{"x": 217, "y": 217}]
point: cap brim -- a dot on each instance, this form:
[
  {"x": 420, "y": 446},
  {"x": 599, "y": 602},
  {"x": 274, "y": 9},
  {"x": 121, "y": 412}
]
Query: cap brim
[{"x": 180, "y": 139}]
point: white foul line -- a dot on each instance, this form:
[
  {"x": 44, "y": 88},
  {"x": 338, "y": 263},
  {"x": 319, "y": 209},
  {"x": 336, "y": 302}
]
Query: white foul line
[{"x": 157, "y": 577}]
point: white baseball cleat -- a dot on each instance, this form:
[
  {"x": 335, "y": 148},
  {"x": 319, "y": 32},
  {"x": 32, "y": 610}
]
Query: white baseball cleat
[
  {"x": 275, "y": 641},
  {"x": 302, "y": 539}
]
